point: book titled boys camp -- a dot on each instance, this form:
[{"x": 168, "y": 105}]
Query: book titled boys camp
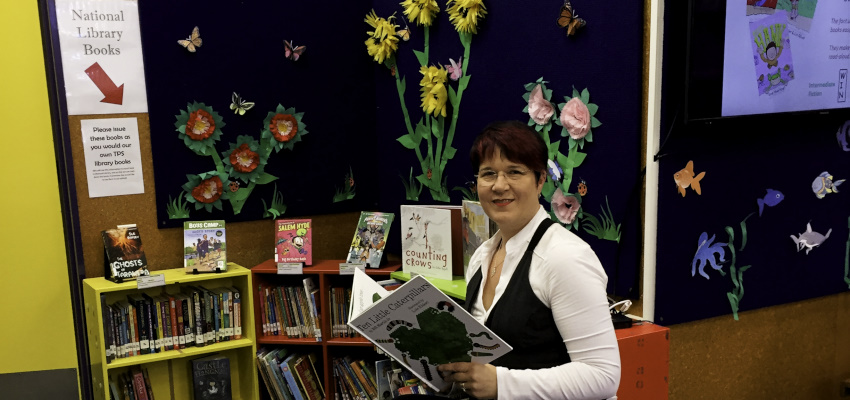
[
  {"x": 125, "y": 255},
  {"x": 367, "y": 247},
  {"x": 427, "y": 247},
  {"x": 420, "y": 327},
  {"x": 204, "y": 246},
  {"x": 293, "y": 241}
]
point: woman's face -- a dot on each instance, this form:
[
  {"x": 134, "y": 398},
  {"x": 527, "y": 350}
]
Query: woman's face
[{"x": 511, "y": 200}]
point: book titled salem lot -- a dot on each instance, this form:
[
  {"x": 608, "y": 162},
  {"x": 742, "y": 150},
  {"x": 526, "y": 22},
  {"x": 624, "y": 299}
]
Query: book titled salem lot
[
  {"x": 367, "y": 246},
  {"x": 204, "y": 246},
  {"x": 293, "y": 241},
  {"x": 211, "y": 378},
  {"x": 125, "y": 256},
  {"x": 420, "y": 327}
]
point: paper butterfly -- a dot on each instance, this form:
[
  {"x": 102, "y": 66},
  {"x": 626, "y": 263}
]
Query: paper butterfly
[
  {"x": 404, "y": 34},
  {"x": 291, "y": 52},
  {"x": 456, "y": 69},
  {"x": 194, "y": 40},
  {"x": 239, "y": 105},
  {"x": 569, "y": 19}
]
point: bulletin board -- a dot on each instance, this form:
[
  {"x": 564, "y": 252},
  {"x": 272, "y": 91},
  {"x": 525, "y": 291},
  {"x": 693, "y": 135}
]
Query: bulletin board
[{"x": 735, "y": 203}]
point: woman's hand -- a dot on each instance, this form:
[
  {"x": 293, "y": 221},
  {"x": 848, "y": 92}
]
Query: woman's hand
[{"x": 476, "y": 379}]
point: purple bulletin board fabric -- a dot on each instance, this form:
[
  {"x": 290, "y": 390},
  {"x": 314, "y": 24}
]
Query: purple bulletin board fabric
[{"x": 352, "y": 106}]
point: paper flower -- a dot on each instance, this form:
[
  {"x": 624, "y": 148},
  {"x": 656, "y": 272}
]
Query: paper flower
[
  {"x": 243, "y": 159},
  {"x": 455, "y": 69},
  {"x": 420, "y": 12},
  {"x": 565, "y": 207},
  {"x": 206, "y": 190},
  {"x": 199, "y": 127},
  {"x": 555, "y": 171},
  {"x": 283, "y": 128},
  {"x": 540, "y": 109},
  {"x": 464, "y": 14},
  {"x": 382, "y": 42},
  {"x": 433, "y": 87},
  {"x": 577, "y": 118}
]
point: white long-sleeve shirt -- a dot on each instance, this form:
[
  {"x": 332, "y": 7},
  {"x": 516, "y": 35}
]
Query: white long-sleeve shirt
[{"x": 566, "y": 276}]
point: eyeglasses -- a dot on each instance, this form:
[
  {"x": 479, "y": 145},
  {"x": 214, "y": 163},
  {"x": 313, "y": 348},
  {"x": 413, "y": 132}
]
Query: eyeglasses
[{"x": 490, "y": 177}]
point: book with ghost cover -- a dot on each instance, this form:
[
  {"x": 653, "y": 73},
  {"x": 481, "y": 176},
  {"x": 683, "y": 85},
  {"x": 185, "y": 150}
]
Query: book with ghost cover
[
  {"x": 406, "y": 322},
  {"x": 125, "y": 256},
  {"x": 211, "y": 378}
]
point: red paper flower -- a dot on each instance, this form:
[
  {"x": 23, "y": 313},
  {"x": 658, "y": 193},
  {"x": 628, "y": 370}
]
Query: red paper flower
[
  {"x": 200, "y": 126},
  {"x": 283, "y": 127},
  {"x": 208, "y": 191},
  {"x": 243, "y": 159}
]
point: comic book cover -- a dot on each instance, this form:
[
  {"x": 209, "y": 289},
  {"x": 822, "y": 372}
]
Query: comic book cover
[
  {"x": 204, "y": 246},
  {"x": 293, "y": 241},
  {"x": 477, "y": 228},
  {"x": 771, "y": 46},
  {"x": 369, "y": 238}
]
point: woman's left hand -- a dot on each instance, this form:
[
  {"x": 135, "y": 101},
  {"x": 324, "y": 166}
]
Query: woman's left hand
[{"x": 476, "y": 379}]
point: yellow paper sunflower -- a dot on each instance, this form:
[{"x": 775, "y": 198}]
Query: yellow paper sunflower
[
  {"x": 433, "y": 89},
  {"x": 420, "y": 12},
  {"x": 464, "y": 14},
  {"x": 382, "y": 42}
]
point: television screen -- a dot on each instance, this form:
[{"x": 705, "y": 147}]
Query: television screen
[{"x": 751, "y": 57}]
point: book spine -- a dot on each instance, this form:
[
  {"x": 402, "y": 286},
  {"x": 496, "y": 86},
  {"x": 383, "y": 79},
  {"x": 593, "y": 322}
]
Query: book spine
[
  {"x": 150, "y": 322},
  {"x": 364, "y": 382},
  {"x": 172, "y": 310},
  {"x": 134, "y": 328},
  {"x": 148, "y": 386},
  {"x": 369, "y": 376},
  {"x": 237, "y": 314},
  {"x": 291, "y": 381},
  {"x": 199, "y": 319},
  {"x": 139, "y": 386},
  {"x": 106, "y": 320},
  {"x": 165, "y": 308},
  {"x": 209, "y": 333},
  {"x": 188, "y": 332},
  {"x": 230, "y": 326},
  {"x": 181, "y": 333}
]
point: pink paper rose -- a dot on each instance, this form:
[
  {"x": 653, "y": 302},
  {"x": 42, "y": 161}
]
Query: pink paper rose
[
  {"x": 539, "y": 109},
  {"x": 576, "y": 118},
  {"x": 565, "y": 207}
]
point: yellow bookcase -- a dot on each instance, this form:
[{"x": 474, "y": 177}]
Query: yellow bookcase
[{"x": 171, "y": 371}]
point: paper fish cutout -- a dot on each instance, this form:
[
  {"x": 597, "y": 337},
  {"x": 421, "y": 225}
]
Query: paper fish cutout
[
  {"x": 239, "y": 105},
  {"x": 455, "y": 70},
  {"x": 193, "y": 41},
  {"x": 404, "y": 34},
  {"x": 291, "y": 52},
  {"x": 706, "y": 253},
  {"x": 844, "y": 136},
  {"x": 824, "y": 184},
  {"x": 569, "y": 19},
  {"x": 772, "y": 198},
  {"x": 809, "y": 239},
  {"x": 685, "y": 177}
]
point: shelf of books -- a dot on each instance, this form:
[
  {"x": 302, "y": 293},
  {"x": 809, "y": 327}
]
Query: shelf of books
[
  {"x": 174, "y": 337},
  {"x": 302, "y": 332}
]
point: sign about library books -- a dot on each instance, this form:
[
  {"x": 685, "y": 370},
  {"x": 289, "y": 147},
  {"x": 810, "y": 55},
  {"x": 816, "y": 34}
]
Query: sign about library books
[
  {"x": 113, "y": 159},
  {"x": 101, "y": 49}
]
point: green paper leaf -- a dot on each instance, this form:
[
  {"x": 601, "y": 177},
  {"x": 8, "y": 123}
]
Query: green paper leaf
[
  {"x": 263, "y": 179},
  {"x": 547, "y": 93},
  {"x": 548, "y": 190},
  {"x": 593, "y": 108},
  {"x": 463, "y": 82},
  {"x": 589, "y": 136},
  {"x": 585, "y": 96},
  {"x": 524, "y": 109},
  {"x": 538, "y": 128},
  {"x": 572, "y": 142},
  {"x": 553, "y": 149},
  {"x": 436, "y": 129},
  {"x": 401, "y": 86},
  {"x": 530, "y": 86},
  {"x": 531, "y": 122},
  {"x": 594, "y": 123},
  {"x": 240, "y": 195},
  {"x": 525, "y": 97},
  {"x": 575, "y": 92},
  {"x": 422, "y": 130},
  {"x": 409, "y": 142},
  {"x": 420, "y": 56},
  {"x": 431, "y": 185},
  {"x": 465, "y": 38},
  {"x": 452, "y": 97},
  {"x": 449, "y": 153}
]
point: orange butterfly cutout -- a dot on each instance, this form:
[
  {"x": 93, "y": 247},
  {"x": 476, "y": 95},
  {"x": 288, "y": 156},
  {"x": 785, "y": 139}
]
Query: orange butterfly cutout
[
  {"x": 193, "y": 41},
  {"x": 569, "y": 20},
  {"x": 291, "y": 52}
]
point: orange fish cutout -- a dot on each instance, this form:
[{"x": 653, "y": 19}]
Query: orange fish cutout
[{"x": 685, "y": 177}]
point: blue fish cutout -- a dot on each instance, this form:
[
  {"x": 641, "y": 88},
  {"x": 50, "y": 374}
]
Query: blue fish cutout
[
  {"x": 824, "y": 184},
  {"x": 772, "y": 198},
  {"x": 844, "y": 136}
]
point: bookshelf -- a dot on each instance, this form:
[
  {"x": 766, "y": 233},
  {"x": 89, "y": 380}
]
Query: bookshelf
[
  {"x": 171, "y": 371},
  {"x": 325, "y": 273}
]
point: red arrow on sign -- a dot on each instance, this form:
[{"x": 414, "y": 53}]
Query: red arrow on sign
[{"x": 113, "y": 94}]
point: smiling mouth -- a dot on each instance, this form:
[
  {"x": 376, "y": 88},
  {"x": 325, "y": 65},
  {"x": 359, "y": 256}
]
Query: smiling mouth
[{"x": 502, "y": 202}]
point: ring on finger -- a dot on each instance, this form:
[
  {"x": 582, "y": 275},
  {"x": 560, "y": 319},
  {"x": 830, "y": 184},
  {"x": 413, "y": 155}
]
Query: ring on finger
[{"x": 463, "y": 386}]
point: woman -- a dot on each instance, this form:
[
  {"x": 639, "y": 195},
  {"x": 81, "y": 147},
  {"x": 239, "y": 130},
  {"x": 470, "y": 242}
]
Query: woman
[{"x": 539, "y": 287}]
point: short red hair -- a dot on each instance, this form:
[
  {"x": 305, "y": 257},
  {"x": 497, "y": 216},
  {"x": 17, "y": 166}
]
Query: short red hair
[{"x": 516, "y": 141}]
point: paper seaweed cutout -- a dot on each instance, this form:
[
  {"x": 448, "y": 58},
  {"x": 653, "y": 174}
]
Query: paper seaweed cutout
[
  {"x": 707, "y": 254},
  {"x": 809, "y": 239},
  {"x": 291, "y": 52},
  {"x": 685, "y": 177},
  {"x": 455, "y": 70},
  {"x": 824, "y": 184},
  {"x": 844, "y": 136},
  {"x": 772, "y": 198},
  {"x": 193, "y": 41},
  {"x": 239, "y": 105},
  {"x": 569, "y": 20}
]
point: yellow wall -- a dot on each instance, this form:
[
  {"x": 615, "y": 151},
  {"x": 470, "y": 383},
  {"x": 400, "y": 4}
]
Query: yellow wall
[{"x": 35, "y": 298}]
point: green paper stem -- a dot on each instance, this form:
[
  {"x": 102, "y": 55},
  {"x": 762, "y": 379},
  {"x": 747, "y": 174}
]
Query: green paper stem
[
  {"x": 427, "y": 36},
  {"x": 219, "y": 166},
  {"x": 463, "y": 82}
]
